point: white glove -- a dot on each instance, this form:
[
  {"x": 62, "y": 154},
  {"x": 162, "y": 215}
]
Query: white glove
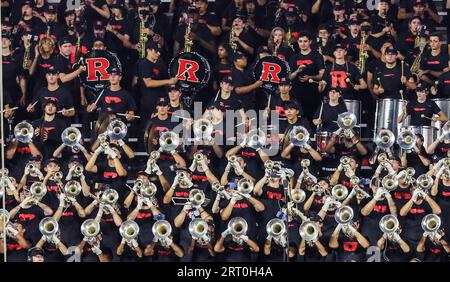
[
  {"x": 340, "y": 168},
  {"x": 396, "y": 237},
  {"x": 238, "y": 169},
  {"x": 415, "y": 194},
  {"x": 352, "y": 193},
  {"x": 167, "y": 242},
  {"x": 62, "y": 200},
  {"x": 225, "y": 233},
  {"x": 120, "y": 142},
  {"x": 134, "y": 243},
  {"x": 193, "y": 166},
  {"x": 157, "y": 170},
  {"x": 423, "y": 194},
  {"x": 187, "y": 207},
  {"x": 148, "y": 168},
  {"x": 327, "y": 204},
  {"x": 338, "y": 132},
  {"x": 378, "y": 194},
  {"x": 245, "y": 195},
  {"x": 55, "y": 240},
  {"x": 110, "y": 152},
  {"x": 96, "y": 250},
  {"x": 109, "y": 208},
  {"x": 351, "y": 229},
  {"x": 176, "y": 181},
  {"x": 140, "y": 202},
  {"x": 244, "y": 238},
  {"x": 228, "y": 167}
]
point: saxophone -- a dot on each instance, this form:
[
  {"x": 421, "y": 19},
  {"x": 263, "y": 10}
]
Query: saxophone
[
  {"x": 416, "y": 64},
  {"x": 77, "y": 57},
  {"x": 289, "y": 39},
  {"x": 362, "y": 54},
  {"x": 142, "y": 39},
  {"x": 188, "y": 42},
  {"x": 26, "y": 56},
  {"x": 233, "y": 43}
]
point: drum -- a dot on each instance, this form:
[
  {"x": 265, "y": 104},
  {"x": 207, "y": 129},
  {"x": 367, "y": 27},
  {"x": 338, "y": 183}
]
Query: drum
[
  {"x": 444, "y": 105},
  {"x": 386, "y": 115},
  {"x": 354, "y": 106},
  {"x": 429, "y": 133},
  {"x": 98, "y": 65},
  {"x": 322, "y": 139},
  {"x": 270, "y": 70},
  {"x": 192, "y": 71}
]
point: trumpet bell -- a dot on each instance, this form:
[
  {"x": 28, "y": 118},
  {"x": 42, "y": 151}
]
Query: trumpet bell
[
  {"x": 71, "y": 136},
  {"x": 198, "y": 157},
  {"x": 256, "y": 138},
  {"x": 38, "y": 190},
  {"x": 347, "y": 120},
  {"x": 23, "y": 132},
  {"x": 299, "y": 136},
  {"x": 154, "y": 155},
  {"x": 129, "y": 230},
  {"x": 90, "y": 228},
  {"x": 196, "y": 197},
  {"x": 431, "y": 223},
  {"x": 48, "y": 226},
  {"x": 354, "y": 180},
  {"x": 203, "y": 129},
  {"x": 72, "y": 188},
  {"x": 198, "y": 228},
  {"x": 406, "y": 139},
  {"x": 389, "y": 183},
  {"x": 78, "y": 170},
  {"x": 276, "y": 227},
  {"x": 424, "y": 182},
  {"x": 298, "y": 196},
  {"x": 339, "y": 192},
  {"x": 385, "y": 139},
  {"x": 169, "y": 141},
  {"x": 245, "y": 186},
  {"x": 238, "y": 226},
  {"x": 116, "y": 130},
  {"x": 148, "y": 190},
  {"x": 309, "y": 231},
  {"x": 344, "y": 215},
  {"x": 389, "y": 224},
  {"x": 110, "y": 196},
  {"x": 161, "y": 229}
]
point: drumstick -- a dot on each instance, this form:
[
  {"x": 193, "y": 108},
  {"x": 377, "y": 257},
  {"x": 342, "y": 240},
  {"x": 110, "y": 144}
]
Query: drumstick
[
  {"x": 313, "y": 81},
  {"x": 34, "y": 104},
  {"x": 98, "y": 97},
  {"x": 182, "y": 117},
  {"x": 269, "y": 100},
  {"x": 401, "y": 94},
  {"x": 403, "y": 68},
  {"x": 424, "y": 116},
  {"x": 379, "y": 81},
  {"x": 11, "y": 109},
  {"x": 349, "y": 81},
  {"x": 124, "y": 115},
  {"x": 243, "y": 122},
  {"x": 68, "y": 110}
]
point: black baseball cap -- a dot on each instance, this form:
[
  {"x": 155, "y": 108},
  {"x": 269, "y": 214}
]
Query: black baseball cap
[
  {"x": 292, "y": 10},
  {"x": 391, "y": 50},
  {"x": 386, "y": 1},
  {"x": 75, "y": 158},
  {"x": 214, "y": 105},
  {"x": 36, "y": 251},
  {"x": 98, "y": 25},
  {"x": 115, "y": 70},
  {"x": 339, "y": 46},
  {"x": 354, "y": 21},
  {"x": 227, "y": 79},
  {"x": 285, "y": 81},
  {"x": 291, "y": 104},
  {"x": 51, "y": 70},
  {"x": 335, "y": 90},
  {"x": 418, "y": 2},
  {"x": 51, "y": 160},
  {"x": 162, "y": 102},
  {"x": 238, "y": 55},
  {"x": 262, "y": 49},
  {"x": 28, "y": 2},
  {"x": 51, "y": 9},
  {"x": 48, "y": 101},
  {"x": 69, "y": 12},
  {"x": 173, "y": 87},
  {"x": 119, "y": 4},
  {"x": 64, "y": 40},
  {"x": 142, "y": 3},
  {"x": 338, "y": 6},
  {"x": 153, "y": 45},
  {"x": 422, "y": 87},
  {"x": 37, "y": 158}
]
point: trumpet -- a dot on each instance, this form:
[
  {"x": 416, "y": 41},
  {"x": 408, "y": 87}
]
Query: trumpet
[
  {"x": 256, "y": 139},
  {"x": 48, "y": 227},
  {"x": 90, "y": 229},
  {"x": 271, "y": 165},
  {"x": 276, "y": 228},
  {"x": 203, "y": 129},
  {"x": 148, "y": 190},
  {"x": 38, "y": 190},
  {"x": 116, "y": 130},
  {"x": 424, "y": 182},
  {"x": 196, "y": 198},
  {"x": 151, "y": 163},
  {"x": 389, "y": 183},
  {"x": 344, "y": 215},
  {"x": 385, "y": 139},
  {"x": 198, "y": 157},
  {"x": 245, "y": 186},
  {"x": 23, "y": 132},
  {"x": 129, "y": 230},
  {"x": 198, "y": 228},
  {"x": 354, "y": 180},
  {"x": 299, "y": 136},
  {"x": 297, "y": 196},
  {"x": 339, "y": 192},
  {"x": 344, "y": 161},
  {"x": 238, "y": 226},
  {"x": 57, "y": 176},
  {"x": 169, "y": 141},
  {"x": 347, "y": 120},
  {"x": 78, "y": 170},
  {"x": 309, "y": 231},
  {"x": 382, "y": 158},
  {"x": 389, "y": 224},
  {"x": 154, "y": 155},
  {"x": 110, "y": 196},
  {"x": 232, "y": 159},
  {"x": 72, "y": 188},
  {"x": 5, "y": 221},
  {"x": 71, "y": 136},
  {"x": 161, "y": 229},
  {"x": 406, "y": 140}
]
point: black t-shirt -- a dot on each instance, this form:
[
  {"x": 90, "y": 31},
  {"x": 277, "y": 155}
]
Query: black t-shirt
[
  {"x": 61, "y": 96},
  {"x": 416, "y": 110},
  {"x": 444, "y": 85},
  {"x": 156, "y": 71},
  {"x": 434, "y": 63},
  {"x": 231, "y": 103},
  {"x": 54, "y": 129},
  {"x": 117, "y": 101},
  {"x": 336, "y": 75},
  {"x": 63, "y": 65},
  {"x": 242, "y": 208},
  {"x": 330, "y": 115},
  {"x": 41, "y": 68},
  {"x": 243, "y": 78},
  {"x": 390, "y": 79},
  {"x": 313, "y": 61},
  {"x": 30, "y": 218},
  {"x": 12, "y": 68}
]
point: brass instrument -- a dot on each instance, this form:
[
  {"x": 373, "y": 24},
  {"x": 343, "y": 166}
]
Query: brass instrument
[
  {"x": 148, "y": 190},
  {"x": 57, "y": 176},
  {"x": 431, "y": 223},
  {"x": 232, "y": 159},
  {"x": 256, "y": 138},
  {"x": 406, "y": 140},
  {"x": 389, "y": 183},
  {"x": 344, "y": 215},
  {"x": 416, "y": 64},
  {"x": 188, "y": 43},
  {"x": 110, "y": 196},
  {"x": 389, "y": 224},
  {"x": 169, "y": 141},
  {"x": 161, "y": 229},
  {"x": 48, "y": 226},
  {"x": 116, "y": 130},
  {"x": 232, "y": 40},
  {"x": 71, "y": 136},
  {"x": 289, "y": 39},
  {"x": 203, "y": 129},
  {"x": 385, "y": 139},
  {"x": 297, "y": 196},
  {"x": 72, "y": 188},
  {"x": 299, "y": 136},
  {"x": 424, "y": 182},
  {"x": 78, "y": 170},
  {"x": 6, "y": 223},
  {"x": 309, "y": 231},
  {"x": 198, "y": 228},
  {"x": 26, "y": 55},
  {"x": 196, "y": 198},
  {"x": 339, "y": 192},
  {"x": 276, "y": 228},
  {"x": 363, "y": 55},
  {"x": 90, "y": 228},
  {"x": 38, "y": 190},
  {"x": 142, "y": 39},
  {"x": 245, "y": 186},
  {"x": 77, "y": 58},
  {"x": 23, "y": 132},
  {"x": 346, "y": 120},
  {"x": 129, "y": 230},
  {"x": 238, "y": 226}
]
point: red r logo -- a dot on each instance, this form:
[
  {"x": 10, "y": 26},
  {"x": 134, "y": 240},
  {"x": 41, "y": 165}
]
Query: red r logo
[
  {"x": 272, "y": 70},
  {"x": 190, "y": 67},
  {"x": 97, "y": 66}
]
